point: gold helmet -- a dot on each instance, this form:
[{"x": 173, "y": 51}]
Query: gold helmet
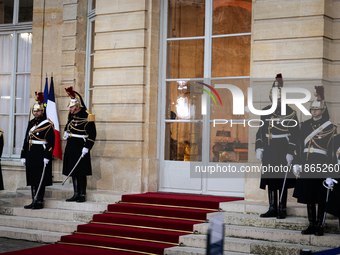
[
  {"x": 319, "y": 101},
  {"x": 278, "y": 83},
  {"x": 39, "y": 102},
  {"x": 74, "y": 98}
]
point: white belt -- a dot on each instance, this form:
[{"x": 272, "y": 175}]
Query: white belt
[
  {"x": 314, "y": 150},
  {"x": 278, "y": 136},
  {"x": 39, "y": 142},
  {"x": 79, "y": 136}
]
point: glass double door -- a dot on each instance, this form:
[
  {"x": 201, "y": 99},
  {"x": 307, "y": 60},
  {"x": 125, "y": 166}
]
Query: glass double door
[{"x": 204, "y": 43}]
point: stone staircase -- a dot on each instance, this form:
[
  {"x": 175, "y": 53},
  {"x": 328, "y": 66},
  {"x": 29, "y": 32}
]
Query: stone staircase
[
  {"x": 247, "y": 233},
  {"x": 58, "y": 217}
]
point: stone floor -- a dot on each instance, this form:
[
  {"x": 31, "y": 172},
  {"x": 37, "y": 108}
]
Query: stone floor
[{"x": 7, "y": 245}]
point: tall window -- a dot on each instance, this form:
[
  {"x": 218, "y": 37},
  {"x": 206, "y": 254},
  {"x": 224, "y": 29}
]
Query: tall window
[
  {"x": 90, "y": 53},
  {"x": 15, "y": 71},
  {"x": 207, "y": 41}
]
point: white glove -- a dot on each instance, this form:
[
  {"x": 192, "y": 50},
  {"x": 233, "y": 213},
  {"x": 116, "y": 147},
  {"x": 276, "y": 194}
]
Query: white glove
[
  {"x": 330, "y": 182},
  {"x": 297, "y": 170},
  {"x": 84, "y": 151},
  {"x": 66, "y": 135},
  {"x": 46, "y": 161},
  {"x": 259, "y": 154},
  {"x": 23, "y": 161},
  {"x": 289, "y": 158}
]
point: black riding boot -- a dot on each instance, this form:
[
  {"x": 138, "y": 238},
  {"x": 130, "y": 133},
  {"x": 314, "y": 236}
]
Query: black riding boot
[
  {"x": 272, "y": 198},
  {"x": 39, "y": 203},
  {"x": 75, "y": 189},
  {"x": 282, "y": 205},
  {"x": 82, "y": 182},
  {"x": 320, "y": 220},
  {"x": 33, "y": 190},
  {"x": 311, "y": 211}
]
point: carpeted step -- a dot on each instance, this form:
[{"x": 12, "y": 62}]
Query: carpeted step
[
  {"x": 149, "y": 247},
  {"x": 58, "y": 249},
  {"x": 195, "y": 201},
  {"x": 159, "y": 223},
  {"x": 159, "y": 211},
  {"x": 139, "y": 233}
]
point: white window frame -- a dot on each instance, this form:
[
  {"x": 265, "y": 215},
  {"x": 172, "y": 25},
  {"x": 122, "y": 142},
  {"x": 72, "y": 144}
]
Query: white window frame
[
  {"x": 162, "y": 80},
  {"x": 14, "y": 28},
  {"x": 91, "y": 16}
]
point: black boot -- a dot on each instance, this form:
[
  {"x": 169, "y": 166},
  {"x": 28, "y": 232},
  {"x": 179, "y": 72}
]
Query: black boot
[
  {"x": 33, "y": 190},
  {"x": 75, "y": 189},
  {"x": 39, "y": 203},
  {"x": 282, "y": 205},
  {"x": 320, "y": 220},
  {"x": 311, "y": 211},
  {"x": 272, "y": 198},
  {"x": 82, "y": 182}
]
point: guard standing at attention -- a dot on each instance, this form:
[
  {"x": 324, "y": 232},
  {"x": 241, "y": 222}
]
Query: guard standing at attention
[
  {"x": 37, "y": 152},
  {"x": 275, "y": 145},
  {"x": 80, "y": 132},
  {"x": 315, "y": 148}
]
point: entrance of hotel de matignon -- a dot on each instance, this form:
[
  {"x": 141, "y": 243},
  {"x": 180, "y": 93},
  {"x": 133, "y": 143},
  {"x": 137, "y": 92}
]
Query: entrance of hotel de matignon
[{"x": 202, "y": 41}]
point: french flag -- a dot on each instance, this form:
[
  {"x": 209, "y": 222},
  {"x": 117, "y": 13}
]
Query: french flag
[{"x": 51, "y": 112}]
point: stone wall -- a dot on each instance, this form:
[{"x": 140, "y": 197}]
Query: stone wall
[{"x": 299, "y": 39}]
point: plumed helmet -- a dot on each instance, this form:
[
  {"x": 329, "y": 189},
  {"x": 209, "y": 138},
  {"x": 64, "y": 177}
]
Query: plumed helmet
[
  {"x": 39, "y": 102},
  {"x": 278, "y": 83},
  {"x": 75, "y": 98},
  {"x": 319, "y": 101}
]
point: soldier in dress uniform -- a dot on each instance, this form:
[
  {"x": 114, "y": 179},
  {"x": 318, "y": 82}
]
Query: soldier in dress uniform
[
  {"x": 275, "y": 145},
  {"x": 315, "y": 146},
  {"x": 2, "y": 141},
  {"x": 80, "y": 132},
  {"x": 37, "y": 152},
  {"x": 333, "y": 204}
]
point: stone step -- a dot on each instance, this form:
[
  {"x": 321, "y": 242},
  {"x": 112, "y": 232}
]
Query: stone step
[
  {"x": 31, "y": 234},
  {"x": 250, "y": 246},
  {"x": 62, "y": 204},
  {"x": 181, "y": 250},
  {"x": 250, "y": 207},
  {"x": 39, "y": 224},
  {"x": 63, "y": 192},
  {"x": 290, "y": 223}
]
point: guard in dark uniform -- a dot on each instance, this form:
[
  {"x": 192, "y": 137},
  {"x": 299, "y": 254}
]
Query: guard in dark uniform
[
  {"x": 275, "y": 146},
  {"x": 315, "y": 146},
  {"x": 2, "y": 142},
  {"x": 37, "y": 153},
  {"x": 333, "y": 185},
  {"x": 80, "y": 132}
]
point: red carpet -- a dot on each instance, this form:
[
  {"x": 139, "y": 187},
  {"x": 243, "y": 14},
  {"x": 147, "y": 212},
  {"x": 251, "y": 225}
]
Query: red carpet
[{"x": 140, "y": 224}]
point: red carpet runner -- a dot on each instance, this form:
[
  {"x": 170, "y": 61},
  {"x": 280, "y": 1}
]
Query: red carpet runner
[{"x": 140, "y": 224}]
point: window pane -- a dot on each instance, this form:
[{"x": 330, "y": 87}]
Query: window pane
[
  {"x": 185, "y": 59},
  {"x": 186, "y": 18},
  {"x": 4, "y": 120},
  {"x": 24, "y": 52},
  {"x": 20, "y": 126},
  {"x": 22, "y": 97},
  {"x": 183, "y": 141},
  {"x": 25, "y": 10},
  {"x": 231, "y": 17},
  {"x": 183, "y": 100},
  {"x": 5, "y": 93},
  {"x": 229, "y": 142},
  {"x": 5, "y": 53},
  {"x": 92, "y": 36},
  {"x": 231, "y": 56},
  {"x": 6, "y": 11}
]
